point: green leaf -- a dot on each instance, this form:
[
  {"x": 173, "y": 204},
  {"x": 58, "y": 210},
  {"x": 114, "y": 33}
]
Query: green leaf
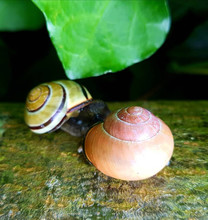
[
  {"x": 19, "y": 15},
  {"x": 93, "y": 37}
]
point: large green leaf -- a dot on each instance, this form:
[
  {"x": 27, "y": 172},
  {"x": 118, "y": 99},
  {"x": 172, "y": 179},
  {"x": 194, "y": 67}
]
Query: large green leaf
[
  {"x": 93, "y": 37},
  {"x": 16, "y": 15}
]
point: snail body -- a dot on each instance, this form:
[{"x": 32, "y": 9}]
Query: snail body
[
  {"x": 131, "y": 144},
  {"x": 51, "y": 104}
]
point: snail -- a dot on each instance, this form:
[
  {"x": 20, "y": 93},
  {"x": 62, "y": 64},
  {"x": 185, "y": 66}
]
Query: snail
[
  {"x": 62, "y": 104},
  {"x": 131, "y": 144}
]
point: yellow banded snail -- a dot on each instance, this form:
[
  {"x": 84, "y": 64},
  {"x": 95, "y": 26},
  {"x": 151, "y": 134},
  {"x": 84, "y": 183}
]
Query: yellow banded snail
[
  {"x": 131, "y": 144},
  {"x": 50, "y": 105}
]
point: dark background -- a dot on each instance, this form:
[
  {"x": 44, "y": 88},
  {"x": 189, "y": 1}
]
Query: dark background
[{"x": 177, "y": 71}]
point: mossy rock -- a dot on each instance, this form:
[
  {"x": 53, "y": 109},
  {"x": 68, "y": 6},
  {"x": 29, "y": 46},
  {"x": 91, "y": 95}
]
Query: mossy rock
[{"x": 43, "y": 176}]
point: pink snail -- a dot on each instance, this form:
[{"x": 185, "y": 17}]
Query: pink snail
[{"x": 131, "y": 144}]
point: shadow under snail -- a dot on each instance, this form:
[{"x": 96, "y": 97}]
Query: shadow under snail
[
  {"x": 63, "y": 104},
  {"x": 131, "y": 144}
]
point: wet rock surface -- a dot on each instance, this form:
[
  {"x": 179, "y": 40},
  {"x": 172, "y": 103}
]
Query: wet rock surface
[{"x": 44, "y": 177}]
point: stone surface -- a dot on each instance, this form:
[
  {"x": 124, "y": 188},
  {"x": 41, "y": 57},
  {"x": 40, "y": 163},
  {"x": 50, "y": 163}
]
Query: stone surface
[{"x": 43, "y": 176}]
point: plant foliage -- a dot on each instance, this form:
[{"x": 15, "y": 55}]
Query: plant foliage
[
  {"x": 19, "y": 15},
  {"x": 94, "y": 37}
]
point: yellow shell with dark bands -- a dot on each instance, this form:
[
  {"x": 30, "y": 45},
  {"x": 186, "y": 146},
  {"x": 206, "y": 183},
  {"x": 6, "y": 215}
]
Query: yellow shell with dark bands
[{"x": 49, "y": 105}]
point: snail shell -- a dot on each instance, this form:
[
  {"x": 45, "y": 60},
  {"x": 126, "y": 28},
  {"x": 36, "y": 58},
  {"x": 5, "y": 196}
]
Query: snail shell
[
  {"x": 131, "y": 144},
  {"x": 49, "y": 105}
]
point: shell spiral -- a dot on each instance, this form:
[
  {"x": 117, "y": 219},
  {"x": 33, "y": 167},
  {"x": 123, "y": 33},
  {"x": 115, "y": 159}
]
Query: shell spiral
[
  {"x": 49, "y": 105},
  {"x": 131, "y": 144}
]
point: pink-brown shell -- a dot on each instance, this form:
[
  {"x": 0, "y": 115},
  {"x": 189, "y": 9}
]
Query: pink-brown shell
[{"x": 132, "y": 144}]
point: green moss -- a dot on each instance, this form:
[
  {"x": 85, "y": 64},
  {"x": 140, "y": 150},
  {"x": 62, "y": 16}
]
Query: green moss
[
  {"x": 43, "y": 176},
  {"x": 6, "y": 176}
]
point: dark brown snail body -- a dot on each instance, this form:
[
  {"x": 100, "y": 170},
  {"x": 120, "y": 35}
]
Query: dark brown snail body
[{"x": 131, "y": 144}]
